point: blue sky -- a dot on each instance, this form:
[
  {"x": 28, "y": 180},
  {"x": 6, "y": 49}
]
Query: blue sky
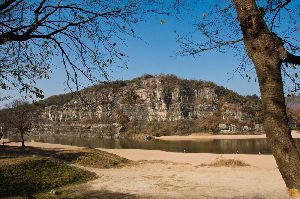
[{"x": 156, "y": 54}]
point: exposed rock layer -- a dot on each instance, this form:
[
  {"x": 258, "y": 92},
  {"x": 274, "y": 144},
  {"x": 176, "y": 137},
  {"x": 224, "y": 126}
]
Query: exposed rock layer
[{"x": 158, "y": 105}]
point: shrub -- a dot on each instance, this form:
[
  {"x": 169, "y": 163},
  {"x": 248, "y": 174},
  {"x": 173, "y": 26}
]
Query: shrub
[{"x": 227, "y": 163}]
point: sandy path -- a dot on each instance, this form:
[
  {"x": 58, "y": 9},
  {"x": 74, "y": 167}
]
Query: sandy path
[
  {"x": 46, "y": 146},
  {"x": 159, "y": 174},
  {"x": 295, "y": 134}
]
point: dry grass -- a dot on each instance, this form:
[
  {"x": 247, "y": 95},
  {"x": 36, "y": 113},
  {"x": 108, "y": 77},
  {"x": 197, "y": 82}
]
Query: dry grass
[
  {"x": 227, "y": 163},
  {"x": 84, "y": 157},
  {"x": 93, "y": 158}
]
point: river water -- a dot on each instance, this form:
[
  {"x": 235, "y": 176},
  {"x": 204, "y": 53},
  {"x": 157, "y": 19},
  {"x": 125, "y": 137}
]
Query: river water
[{"x": 219, "y": 146}]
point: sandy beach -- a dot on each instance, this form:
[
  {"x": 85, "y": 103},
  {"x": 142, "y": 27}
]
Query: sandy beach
[
  {"x": 295, "y": 134},
  {"x": 159, "y": 174}
]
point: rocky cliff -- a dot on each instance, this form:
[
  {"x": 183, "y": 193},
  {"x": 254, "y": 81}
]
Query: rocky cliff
[{"x": 157, "y": 105}]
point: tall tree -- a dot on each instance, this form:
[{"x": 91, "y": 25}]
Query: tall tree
[
  {"x": 84, "y": 37},
  {"x": 268, "y": 33},
  {"x": 268, "y": 53}
]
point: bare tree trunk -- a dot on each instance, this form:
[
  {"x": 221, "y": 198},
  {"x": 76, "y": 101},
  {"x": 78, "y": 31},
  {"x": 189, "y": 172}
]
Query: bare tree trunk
[
  {"x": 262, "y": 48},
  {"x": 22, "y": 138}
]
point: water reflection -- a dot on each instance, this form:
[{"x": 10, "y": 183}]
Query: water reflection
[{"x": 226, "y": 146}]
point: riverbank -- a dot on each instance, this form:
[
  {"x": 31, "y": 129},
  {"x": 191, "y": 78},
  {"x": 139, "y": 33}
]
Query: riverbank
[
  {"x": 295, "y": 134},
  {"x": 159, "y": 174}
]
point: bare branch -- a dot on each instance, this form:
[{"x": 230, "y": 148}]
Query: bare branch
[{"x": 84, "y": 35}]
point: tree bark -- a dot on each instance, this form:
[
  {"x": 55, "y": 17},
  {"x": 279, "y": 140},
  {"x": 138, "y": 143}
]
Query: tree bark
[
  {"x": 262, "y": 48},
  {"x": 22, "y": 138}
]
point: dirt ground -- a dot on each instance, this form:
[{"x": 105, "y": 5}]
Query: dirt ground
[
  {"x": 179, "y": 175},
  {"x": 159, "y": 174}
]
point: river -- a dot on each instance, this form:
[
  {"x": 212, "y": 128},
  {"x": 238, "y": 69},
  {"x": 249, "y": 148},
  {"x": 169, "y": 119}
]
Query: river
[{"x": 218, "y": 146}]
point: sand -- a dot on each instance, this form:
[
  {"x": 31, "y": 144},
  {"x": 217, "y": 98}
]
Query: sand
[
  {"x": 159, "y": 174},
  {"x": 295, "y": 134},
  {"x": 179, "y": 175}
]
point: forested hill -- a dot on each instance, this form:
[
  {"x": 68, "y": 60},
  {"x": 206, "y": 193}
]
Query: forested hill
[{"x": 157, "y": 105}]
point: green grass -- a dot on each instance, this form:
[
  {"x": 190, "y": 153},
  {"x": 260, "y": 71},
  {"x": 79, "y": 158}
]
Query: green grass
[
  {"x": 31, "y": 175},
  {"x": 93, "y": 158},
  {"x": 34, "y": 171}
]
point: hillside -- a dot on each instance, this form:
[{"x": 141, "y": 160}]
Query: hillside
[
  {"x": 293, "y": 102},
  {"x": 293, "y": 110},
  {"x": 157, "y": 105}
]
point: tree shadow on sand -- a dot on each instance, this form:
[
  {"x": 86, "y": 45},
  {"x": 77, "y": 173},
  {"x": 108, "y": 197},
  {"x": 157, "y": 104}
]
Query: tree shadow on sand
[
  {"x": 16, "y": 151},
  {"x": 107, "y": 194}
]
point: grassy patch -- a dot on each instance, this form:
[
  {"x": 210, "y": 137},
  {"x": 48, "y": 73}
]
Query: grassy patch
[
  {"x": 93, "y": 158},
  {"x": 227, "y": 163},
  {"x": 81, "y": 193},
  {"x": 83, "y": 157},
  {"x": 30, "y": 175}
]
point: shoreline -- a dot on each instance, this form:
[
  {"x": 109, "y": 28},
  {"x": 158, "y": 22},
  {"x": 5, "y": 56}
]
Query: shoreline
[
  {"x": 263, "y": 161},
  {"x": 295, "y": 134}
]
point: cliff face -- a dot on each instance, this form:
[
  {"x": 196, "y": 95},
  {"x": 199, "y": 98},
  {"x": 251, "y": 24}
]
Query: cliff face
[{"x": 158, "y": 105}]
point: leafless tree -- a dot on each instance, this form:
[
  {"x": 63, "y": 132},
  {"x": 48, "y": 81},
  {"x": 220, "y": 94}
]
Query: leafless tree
[
  {"x": 19, "y": 117},
  {"x": 265, "y": 34}
]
